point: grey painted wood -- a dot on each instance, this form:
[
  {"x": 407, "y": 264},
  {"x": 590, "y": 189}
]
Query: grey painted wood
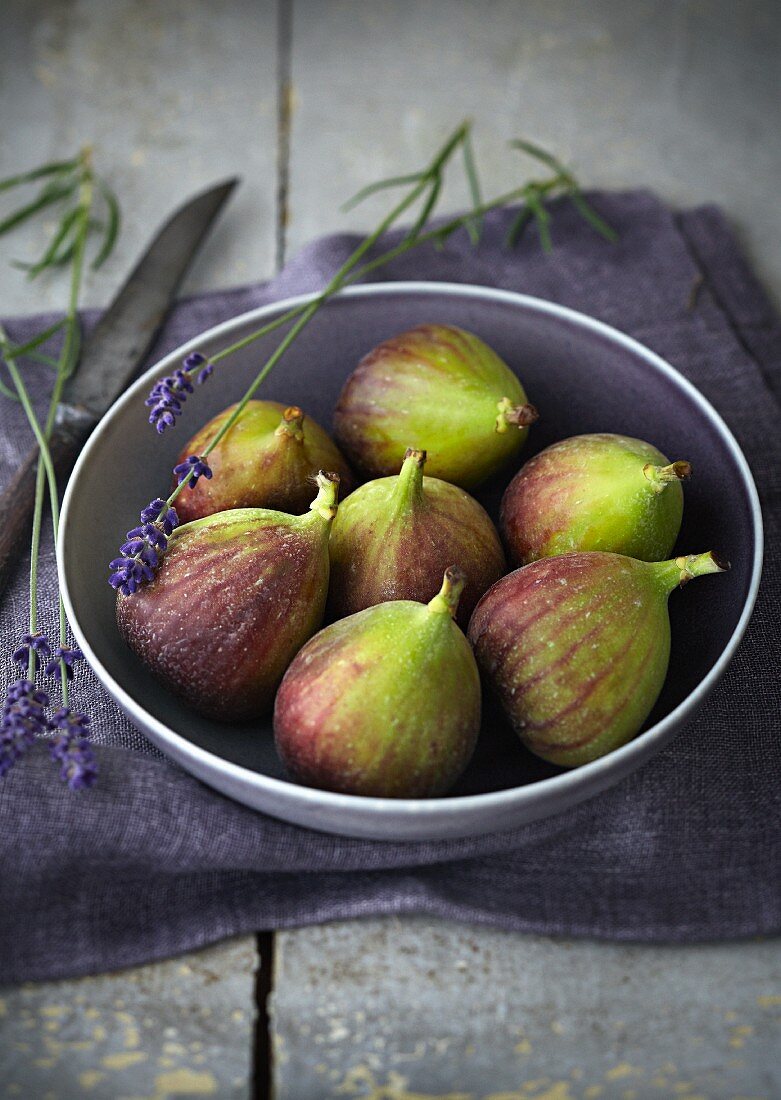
[
  {"x": 178, "y": 1028},
  {"x": 174, "y": 96},
  {"x": 678, "y": 95},
  {"x": 407, "y": 1009}
]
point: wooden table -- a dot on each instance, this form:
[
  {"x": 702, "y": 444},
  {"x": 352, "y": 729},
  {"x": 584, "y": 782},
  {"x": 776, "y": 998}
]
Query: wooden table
[{"x": 307, "y": 101}]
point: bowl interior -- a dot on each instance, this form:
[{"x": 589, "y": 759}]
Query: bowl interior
[{"x": 581, "y": 379}]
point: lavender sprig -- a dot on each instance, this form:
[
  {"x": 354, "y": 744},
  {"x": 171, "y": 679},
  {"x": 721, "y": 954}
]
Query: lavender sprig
[
  {"x": 141, "y": 553},
  {"x": 169, "y": 394},
  {"x": 87, "y": 204},
  {"x": 22, "y": 720},
  {"x": 72, "y": 750}
]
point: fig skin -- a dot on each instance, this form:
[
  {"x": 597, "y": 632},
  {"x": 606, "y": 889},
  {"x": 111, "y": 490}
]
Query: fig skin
[
  {"x": 594, "y": 492},
  {"x": 385, "y": 703},
  {"x": 267, "y": 459},
  {"x": 435, "y": 387},
  {"x": 234, "y": 599},
  {"x": 577, "y": 647},
  {"x": 394, "y": 537}
]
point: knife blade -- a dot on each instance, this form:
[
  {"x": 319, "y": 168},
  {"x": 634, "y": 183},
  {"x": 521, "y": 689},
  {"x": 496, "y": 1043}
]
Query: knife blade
[{"x": 111, "y": 357}]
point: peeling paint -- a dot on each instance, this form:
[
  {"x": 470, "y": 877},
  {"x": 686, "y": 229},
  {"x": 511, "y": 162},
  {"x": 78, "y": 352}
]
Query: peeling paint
[
  {"x": 185, "y": 1082},
  {"x": 123, "y": 1060}
]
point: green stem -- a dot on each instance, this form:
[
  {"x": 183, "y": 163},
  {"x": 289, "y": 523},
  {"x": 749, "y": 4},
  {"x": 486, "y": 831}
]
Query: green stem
[
  {"x": 446, "y": 600},
  {"x": 662, "y": 476},
  {"x": 679, "y": 571},
  {"x": 409, "y": 482}
]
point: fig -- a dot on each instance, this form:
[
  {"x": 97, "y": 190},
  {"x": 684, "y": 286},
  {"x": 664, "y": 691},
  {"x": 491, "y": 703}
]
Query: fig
[
  {"x": 235, "y": 597},
  {"x": 435, "y": 387},
  {"x": 576, "y": 647},
  {"x": 267, "y": 459},
  {"x": 393, "y": 538},
  {"x": 594, "y": 492},
  {"x": 385, "y": 703}
]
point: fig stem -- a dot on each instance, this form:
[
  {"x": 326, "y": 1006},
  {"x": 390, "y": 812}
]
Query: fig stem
[
  {"x": 519, "y": 415},
  {"x": 661, "y": 476},
  {"x": 409, "y": 483},
  {"x": 446, "y": 600},
  {"x": 679, "y": 571},
  {"x": 292, "y": 424},
  {"x": 324, "y": 504}
]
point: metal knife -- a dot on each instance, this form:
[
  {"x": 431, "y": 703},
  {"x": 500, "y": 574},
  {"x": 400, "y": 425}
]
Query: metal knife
[{"x": 112, "y": 356}]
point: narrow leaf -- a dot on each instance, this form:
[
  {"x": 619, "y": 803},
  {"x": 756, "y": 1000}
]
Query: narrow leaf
[
  {"x": 542, "y": 218},
  {"x": 516, "y": 229},
  {"x": 592, "y": 217},
  {"x": 380, "y": 185},
  {"x": 6, "y": 392},
  {"x": 53, "y": 169},
  {"x": 473, "y": 225},
  {"x": 428, "y": 206},
  {"x": 49, "y": 258},
  {"x": 112, "y": 225},
  {"x": 11, "y": 352},
  {"x": 68, "y": 366},
  {"x": 47, "y": 198},
  {"x": 540, "y": 154}
]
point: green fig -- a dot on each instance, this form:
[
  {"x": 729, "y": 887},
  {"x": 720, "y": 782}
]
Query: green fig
[
  {"x": 235, "y": 597},
  {"x": 385, "y": 703},
  {"x": 577, "y": 647},
  {"x": 594, "y": 492},
  {"x": 394, "y": 537},
  {"x": 439, "y": 388},
  {"x": 267, "y": 459}
]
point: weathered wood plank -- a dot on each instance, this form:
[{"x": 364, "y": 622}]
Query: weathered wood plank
[
  {"x": 418, "y": 1009},
  {"x": 678, "y": 96},
  {"x": 174, "y": 95},
  {"x": 178, "y": 1028}
]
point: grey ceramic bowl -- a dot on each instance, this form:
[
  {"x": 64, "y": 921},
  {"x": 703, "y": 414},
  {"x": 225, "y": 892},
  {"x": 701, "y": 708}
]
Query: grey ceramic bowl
[{"x": 584, "y": 376}]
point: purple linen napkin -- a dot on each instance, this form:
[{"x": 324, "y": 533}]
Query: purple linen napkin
[{"x": 151, "y": 862}]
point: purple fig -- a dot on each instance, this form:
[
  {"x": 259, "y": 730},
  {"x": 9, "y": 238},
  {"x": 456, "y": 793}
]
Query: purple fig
[
  {"x": 384, "y": 703},
  {"x": 436, "y": 387},
  {"x": 394, "y": 537},
  {"x": 267, "y": 459},
  {"x": 594, "y": 492},
  {"x": 234, "y": 599},
  {"x": 577, "y": 647}
]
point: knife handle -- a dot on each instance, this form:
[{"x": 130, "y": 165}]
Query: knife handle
[{"x": 17, "y": 501}]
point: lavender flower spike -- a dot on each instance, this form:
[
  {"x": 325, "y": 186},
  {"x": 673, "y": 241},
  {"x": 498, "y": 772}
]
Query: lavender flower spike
[
  {"x": 169, "y": 394},
  {"x": 23, "y": 717},
  {"x": 143, "y": 549},
  {"x": 63, "y": 655},
  {"x": 191, "y": 469},
  {"x": 72, "y": 750}
]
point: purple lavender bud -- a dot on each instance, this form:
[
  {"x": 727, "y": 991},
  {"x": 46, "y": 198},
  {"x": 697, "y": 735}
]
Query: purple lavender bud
[
  {"x": 168, "y": 394},
  {"x": 183, "y": 382},
  {"x": 153, "y": 510},
  {"x": 36, "y": 643},
  {"x": 204, "y": 374},
  {"x": 22, "y": 719},
  {"x": 72, "y": 750},
  {"x": 141, "y": 553},
  {"x": 63, "y": 655},
  {"x": 191, "y": 469}
]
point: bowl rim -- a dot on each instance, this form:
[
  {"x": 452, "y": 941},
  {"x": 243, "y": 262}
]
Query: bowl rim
[{"x": 447, "y": 805}]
